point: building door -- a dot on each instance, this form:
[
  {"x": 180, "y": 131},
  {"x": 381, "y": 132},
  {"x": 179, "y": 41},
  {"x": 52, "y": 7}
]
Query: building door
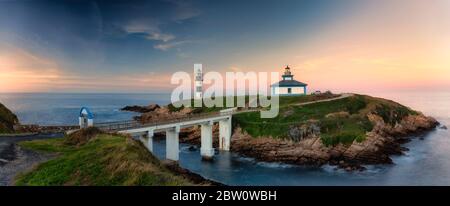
[
  {"x": 85, "y": 121},
  {"x": 289, "y": 90}
]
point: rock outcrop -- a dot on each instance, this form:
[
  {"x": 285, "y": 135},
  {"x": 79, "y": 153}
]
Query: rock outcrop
[
  {"x": 7, "y": 120},
  {"x": 306, "y": 147},
  {"x": 163, "y": 113},
  {"x": 383, "y": 141},
  {"x": 391, "y": 125},
  {"x": 141, "y": 109}
]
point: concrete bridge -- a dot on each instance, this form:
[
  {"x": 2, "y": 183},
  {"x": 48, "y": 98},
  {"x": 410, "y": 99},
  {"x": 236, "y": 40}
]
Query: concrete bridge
[{"x": 172, "y": 129}]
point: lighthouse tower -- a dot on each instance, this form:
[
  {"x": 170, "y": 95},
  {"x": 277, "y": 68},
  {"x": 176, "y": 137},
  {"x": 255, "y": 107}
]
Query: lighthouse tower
[{"x": 198, "y": 93}]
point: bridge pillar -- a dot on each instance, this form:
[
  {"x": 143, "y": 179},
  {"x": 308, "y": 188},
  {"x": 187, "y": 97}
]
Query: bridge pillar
[
  {"x": 172, "y": 144},
  {"x": 206, "y": 149},
  {"x": 147, "y": 139},
  {"x": 225, "y": 134}
]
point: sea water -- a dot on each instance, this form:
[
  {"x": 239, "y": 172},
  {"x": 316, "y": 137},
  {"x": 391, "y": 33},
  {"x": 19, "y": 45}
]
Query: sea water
[{"x": 426, "y": 163}]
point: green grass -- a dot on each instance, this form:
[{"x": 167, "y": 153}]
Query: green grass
[
  {"x": 297, "y": 99},
  {"x": 283, "y": 100},
  {"x": 393, "y": 115},
  {"x": 333, "y": 130},
  {"x": 103, "y": 160},
  {"x": 204, "y": 108}
]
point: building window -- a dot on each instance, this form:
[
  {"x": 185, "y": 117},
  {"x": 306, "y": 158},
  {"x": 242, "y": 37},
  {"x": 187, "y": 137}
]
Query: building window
[
  {"x": 199, "y": 89},
  {"x": 289, "y": 90}
]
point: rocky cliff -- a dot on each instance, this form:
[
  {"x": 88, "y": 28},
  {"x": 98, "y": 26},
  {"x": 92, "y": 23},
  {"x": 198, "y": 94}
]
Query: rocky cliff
[
  {"x": 7, "y": 120},
  {"x": 384, "y": 140},
  {"x": 348, "y": 132}
]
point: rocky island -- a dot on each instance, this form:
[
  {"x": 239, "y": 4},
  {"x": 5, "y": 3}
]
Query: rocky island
[{"x": 349, "y": 130}]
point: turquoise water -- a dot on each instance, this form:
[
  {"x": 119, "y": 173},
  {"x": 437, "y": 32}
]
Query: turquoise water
[{"x": 427, "y": 162}]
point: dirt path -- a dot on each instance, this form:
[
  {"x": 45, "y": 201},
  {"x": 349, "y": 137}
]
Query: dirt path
[
  {"x": 342, "y": 96},
  {"x": 14, "y": 159}
]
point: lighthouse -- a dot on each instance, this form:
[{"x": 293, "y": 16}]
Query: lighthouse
[
  {"x": 288, "y": 86},
  {"x": 198, "y": 93}
]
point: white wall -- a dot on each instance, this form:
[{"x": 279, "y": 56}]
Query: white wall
[{"x": 284, "y": 90}]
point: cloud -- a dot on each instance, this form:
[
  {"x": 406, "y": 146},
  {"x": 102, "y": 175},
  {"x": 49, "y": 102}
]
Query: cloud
[
  {"x": 167, "y": 46},
  {"x": 149, "y": 28},
  {"x": 152, "y": 31},
  {"x": 21, "y": 70},
  {"x": 184, "y": 10},
  {"x": 160, "y": 36}
]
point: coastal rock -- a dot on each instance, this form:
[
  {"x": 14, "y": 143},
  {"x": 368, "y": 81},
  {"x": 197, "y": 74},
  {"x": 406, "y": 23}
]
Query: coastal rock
[
  {"x": 163, "y": 113},
  {"x": 303, "y": 131},
  {"x": 306, "y": 148},
  {"x": 192, "y": 135},
  {"x": 141, "y": 109},
  {"x": 309, "y": 151},
  {"x": 384, "y": 140},
  {"x": 7, "y": 120},
  {"x": 414, "y": 124},
  {"x": 303, "y": 144},
  {"x": 443, "y": 127}
]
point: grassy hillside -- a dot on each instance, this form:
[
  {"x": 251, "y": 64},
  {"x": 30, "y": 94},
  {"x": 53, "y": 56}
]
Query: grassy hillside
[
  {"x": 7, "y": 120},
  {"x": 97, "y": 159},
  {"x": 204, "y": 108},
  {"x": 284, "y": 100},
  {"x": 339, "y": 121}
]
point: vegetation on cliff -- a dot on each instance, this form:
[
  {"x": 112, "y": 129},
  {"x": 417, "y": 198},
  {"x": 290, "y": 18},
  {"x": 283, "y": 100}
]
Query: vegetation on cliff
[
  {"x": 7, "y": 120},
  {"x": 204, "y": 108},
  {"x": 92, "y": 158},
  {"x": 338, "y": 121},
  {"x": 347, "y": 130},
  {"x": 342, "y": 120}
]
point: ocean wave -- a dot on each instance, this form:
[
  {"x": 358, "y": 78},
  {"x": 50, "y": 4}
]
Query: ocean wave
[
  {"x": 246, "y": 159},
  {"x": 275, "y": 165}
]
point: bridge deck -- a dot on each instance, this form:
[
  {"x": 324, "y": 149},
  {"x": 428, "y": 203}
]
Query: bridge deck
[{"x": 133, "y": 124}]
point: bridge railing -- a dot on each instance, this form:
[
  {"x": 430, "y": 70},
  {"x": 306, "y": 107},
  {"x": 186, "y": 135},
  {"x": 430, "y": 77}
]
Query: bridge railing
[{"x": 121, "y": 125}]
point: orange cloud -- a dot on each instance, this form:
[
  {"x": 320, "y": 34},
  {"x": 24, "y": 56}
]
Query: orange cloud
[{"x": 23, "y": 71}]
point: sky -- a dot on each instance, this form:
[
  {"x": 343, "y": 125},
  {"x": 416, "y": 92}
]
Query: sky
[{"x": 135, "y": 46}]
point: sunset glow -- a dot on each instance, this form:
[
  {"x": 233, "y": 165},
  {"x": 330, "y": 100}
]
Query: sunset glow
[{"x": 397, "y": 45}]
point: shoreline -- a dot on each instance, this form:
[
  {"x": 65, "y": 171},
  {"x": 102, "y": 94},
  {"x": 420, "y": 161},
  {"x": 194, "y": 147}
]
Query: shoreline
[
  {"x": 377, "y": 149},
  {"x": 16, "y": 159},
  {"x": 20, "y": 160},
  {"x": 192, "y": 176},
  {"x": 36, "y": 158}
]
